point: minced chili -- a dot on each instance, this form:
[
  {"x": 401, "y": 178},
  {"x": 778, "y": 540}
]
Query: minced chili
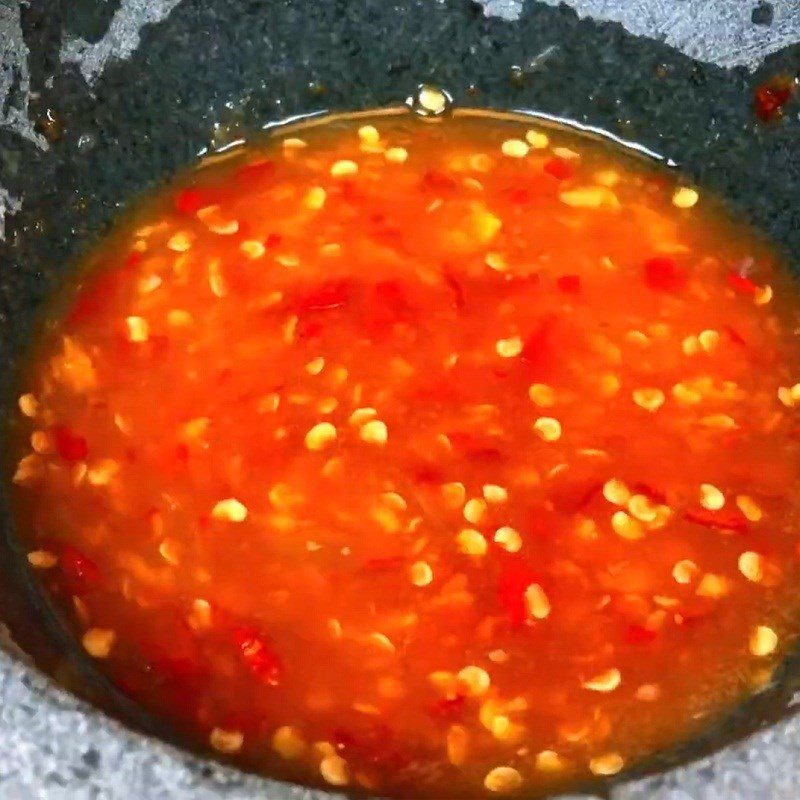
[{"x": 427, "y": 458}]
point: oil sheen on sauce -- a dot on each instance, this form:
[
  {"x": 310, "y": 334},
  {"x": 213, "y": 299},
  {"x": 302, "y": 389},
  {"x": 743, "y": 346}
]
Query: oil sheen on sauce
[{"x": 427, "y": 458}]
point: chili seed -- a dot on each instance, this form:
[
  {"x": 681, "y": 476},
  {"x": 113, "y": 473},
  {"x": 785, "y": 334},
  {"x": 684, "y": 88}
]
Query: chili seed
[
  {"x": 514, "y": 148},
  {"x": 288, "y": 743},
  {"x": 763, "y": 641},
  {"x": 226, "y": 741},
  {"x": 230, "y": 510},
  {"x": 321, "y": 436},
  {"x": 98, "y": 642},
  {"x": 751, "y": 566},
  {"x": 548, "y": 429},
  {"x": 344, "y": 169},
  {"x": 374, "y": 432},
  {"x": 503, "y": 780},
  {"x": 537, "y": 602},
  {"x": 684, "y": 197},
  {"x": 42, "y": 559},
  {"x": 606, "y": 764},
  {"x": 334, "y": 770}
]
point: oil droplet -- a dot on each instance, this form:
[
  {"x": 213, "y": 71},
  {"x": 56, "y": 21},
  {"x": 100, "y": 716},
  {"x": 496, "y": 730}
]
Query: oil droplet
[{"x": 430, "y": 102}]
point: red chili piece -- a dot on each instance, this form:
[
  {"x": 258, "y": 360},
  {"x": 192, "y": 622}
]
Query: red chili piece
[
  {"x": 457, "y": 289},
  {"x": 439, "y": 181},
  {"x": 772, "y": 96},
  {"x": 387, "y": 305},
  {"x": 386, "y": 564},
  {"x": 327, "y": 296},
  {"x": 638, "y": 634},
  {"x": 449, "y": 709},
  {"x": 570, "y": 284},
  {"x": 741, "y": 283},
  {"x": 190, "y": 201},
  {"x": 662, "y": 274},
  {"x": 515, "y": 577},
  {"x": 69, "y": 445},
  {"x": 262, "y": 660},
  {"x": 558, "y": 168},
  {"x": 717, "y": 520},
  {"x": 81, "y": 574}
]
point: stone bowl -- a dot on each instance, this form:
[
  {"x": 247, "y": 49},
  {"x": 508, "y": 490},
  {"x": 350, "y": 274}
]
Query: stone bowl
[{"x": 95, "y": 130}]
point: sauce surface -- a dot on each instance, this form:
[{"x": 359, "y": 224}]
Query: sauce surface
[{"x": 438, "y": 459}]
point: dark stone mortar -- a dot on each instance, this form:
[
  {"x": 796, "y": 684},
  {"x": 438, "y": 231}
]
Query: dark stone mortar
[{"x": 239, "y": 64}]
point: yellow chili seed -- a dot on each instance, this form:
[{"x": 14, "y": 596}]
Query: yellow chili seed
[
  {"x": 471, "y": 542},
  {"x": 537, "y": 140},
  {"x": 751, "y": 566},
  {"x": 684, "y": 197},
  {"x": 252, "y": 248},
  {"x": 537, "y": 602},
  {"x": 476, "y": 680},
  {"x": 138, "y": 329},
  {"x": 713, "y": 586},
  {"x": 684, "y": 571},
  {"x": 589, "y": 197},
  {"x": 453, "y": 494},
  {"x": 494, "y": 494},
  {"x": 509, "y": 348},
  {"x": 179, "y": 242},
  {"x": 509, "y": 539},
  {"x": 606, "y": 764},
  {"x": 514, "y": 148},
  {"x": 334, "y": 770},
  {"x": 98, "y": 642},
  {"x": 762, "y": 295},
  {"x": 497, "y": 262},
  {"x": 421, "y": 573},
  {"x": 42, "y": 559},
  {"x": 226, "y": 741},
  {"x": 763, "y": 641},
  {"x": 321, "y": 436},
  {"x": 749, "y": 508},
  {"x": 548, "y": 429},
  {"x": 626, "y": 526},
  {"x": 607, "y": 177},
  {"x": 315, "y": 198},
  {"x": 641, "y": 507},
  {"x": 230, "y": 510},
  {"x": 28, "y": 405},
  {"x": 548, "y": 761},
  {"x": 288, "y": 743},
  {"x": 475, "y": 510},
  {"x": 503, "y": 780},
  {"x": 650, "y": 399},
  {"x": 369, "y": 134},
  {"x": 604, "y": 682},
  {"x": 344, "y": 169},
  {"x": 616, "y": 492},
  {"x": 396, "y": 155},
  {"x": 542, "y": 395},
  {"x": 711, "y": 498},
  {"x": 374, "y": 432},
  {"x": 708, "y": 340}
]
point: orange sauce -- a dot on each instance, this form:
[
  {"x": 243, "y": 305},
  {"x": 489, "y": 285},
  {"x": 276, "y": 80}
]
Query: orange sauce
[{"x": 429, "y": 459}]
